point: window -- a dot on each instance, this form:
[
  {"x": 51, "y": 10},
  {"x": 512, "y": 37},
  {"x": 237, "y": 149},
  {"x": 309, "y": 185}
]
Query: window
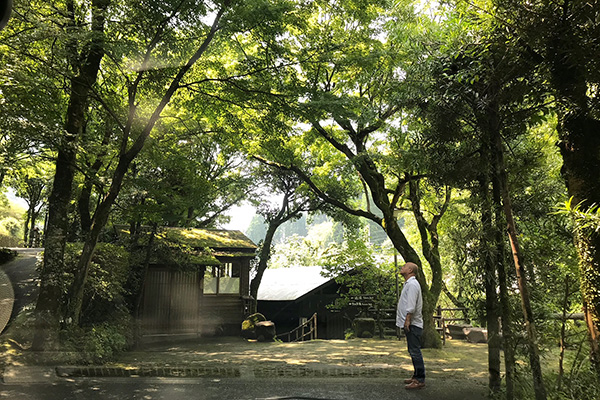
[{"x": 222, "y": 279}]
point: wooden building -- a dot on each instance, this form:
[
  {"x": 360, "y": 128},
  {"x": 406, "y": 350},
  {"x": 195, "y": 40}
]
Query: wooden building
[
  {"x": 289, "y": 296},
  {"x": 197, "y": 284}
]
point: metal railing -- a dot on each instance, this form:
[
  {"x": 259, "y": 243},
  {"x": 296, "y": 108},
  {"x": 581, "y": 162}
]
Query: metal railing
[{"x": 306, "y": 331}]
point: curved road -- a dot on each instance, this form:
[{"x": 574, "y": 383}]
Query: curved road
[{"x": 23, "y": 276}]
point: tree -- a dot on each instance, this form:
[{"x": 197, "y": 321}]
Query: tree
[
  {"x": 295, "y": 201},
  {"x": 348, "y": 142},
  {"x": 83, "y": 63},
  {"x": 560, "y": 37},
  {"x": 187, "y": 179},
  {"x": 129, "y": 66},
  {"x": 486, "y": 93},
  {"x": 33, "y": 190}
]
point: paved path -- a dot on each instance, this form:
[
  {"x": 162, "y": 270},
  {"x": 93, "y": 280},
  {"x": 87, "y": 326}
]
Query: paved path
[
  {"x": 22, "y": 275},
  {"x": 7, "y": 299},
  {"x": 234, "y": 389}
]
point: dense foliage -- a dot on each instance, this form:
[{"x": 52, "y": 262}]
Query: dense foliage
[{"x": 434, "y": 126}]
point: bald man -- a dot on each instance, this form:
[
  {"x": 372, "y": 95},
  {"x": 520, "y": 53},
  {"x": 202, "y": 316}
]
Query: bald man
[{"x": 409, "y": 317}]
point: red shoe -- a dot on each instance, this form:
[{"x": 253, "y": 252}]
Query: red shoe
[{"x": 415, "y": 385}]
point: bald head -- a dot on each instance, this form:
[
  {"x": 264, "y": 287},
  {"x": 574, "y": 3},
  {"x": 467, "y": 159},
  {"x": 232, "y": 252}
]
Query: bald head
[{"x": 409, "y": 269}]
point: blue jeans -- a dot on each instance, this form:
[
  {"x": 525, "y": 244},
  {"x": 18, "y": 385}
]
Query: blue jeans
[{"x": 413, "y": 340}]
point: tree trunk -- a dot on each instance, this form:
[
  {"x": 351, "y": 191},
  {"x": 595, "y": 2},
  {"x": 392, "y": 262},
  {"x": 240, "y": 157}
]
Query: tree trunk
[
  {"x": 507, "y": 335},
  {"x": 32, "y": 238},
  {"x": 47, "y": 310},
  {"x": 491, "y": 298},
  {"x": 532, "y": 341},
  {"x": 89, "y": 246},
  {"x": 431, "y": 338},
  {"x": 26, "y": 230},
  {"x": 83, "y": 203},
  {"x": 430, "y": 248},
  {"x": 580, "y": 149},
  {"x": 263, "y": 258},
  {"x": 283, "y": 215}
]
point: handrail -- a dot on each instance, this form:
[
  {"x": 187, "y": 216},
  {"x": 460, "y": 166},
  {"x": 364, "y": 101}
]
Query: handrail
[{"x": 307, "y": 329}]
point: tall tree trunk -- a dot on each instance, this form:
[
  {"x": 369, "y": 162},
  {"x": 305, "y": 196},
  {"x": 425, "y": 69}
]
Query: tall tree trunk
[
  {"x": 491, "y": 298},
  {"x": 32, "y": 238},
  {"x": 47, "y": 309},
  {"x": 532, "y": 341},
  {"x": 26, "y": 230},
  {"x": 83, "y": 203},
  {"x": 283, "y": 215},
  {"x": 430, "y": 246},
  {"x": 507, "y": 335}
]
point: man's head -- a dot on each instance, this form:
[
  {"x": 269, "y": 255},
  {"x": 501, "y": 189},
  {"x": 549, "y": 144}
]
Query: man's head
[{"x": 409, "y": 269}]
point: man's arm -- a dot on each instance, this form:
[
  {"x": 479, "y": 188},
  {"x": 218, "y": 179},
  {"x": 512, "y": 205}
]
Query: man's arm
[
  {"x": 407, "y": 322},
  {"x": 412, "y": 295}
]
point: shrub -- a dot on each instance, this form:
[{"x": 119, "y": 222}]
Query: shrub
[
  {"x": 106, "y": 326},
  {"x": 11, "y": 226},
  {"x": 98, "y": 343},
  {"x": 10, "y": 241},
  {"x": 7, "y": 255}
]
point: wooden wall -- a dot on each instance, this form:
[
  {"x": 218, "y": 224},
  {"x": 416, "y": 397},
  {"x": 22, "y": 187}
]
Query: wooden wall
[{"x": 174, "y": 304}]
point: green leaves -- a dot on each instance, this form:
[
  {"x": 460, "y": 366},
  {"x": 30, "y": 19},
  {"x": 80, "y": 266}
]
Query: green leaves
[{"x": 586, "y": 219}]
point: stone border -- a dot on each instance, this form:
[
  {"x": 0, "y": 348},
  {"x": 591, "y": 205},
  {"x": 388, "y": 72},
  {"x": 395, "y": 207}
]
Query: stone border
[{"x": 258, "y": 372}]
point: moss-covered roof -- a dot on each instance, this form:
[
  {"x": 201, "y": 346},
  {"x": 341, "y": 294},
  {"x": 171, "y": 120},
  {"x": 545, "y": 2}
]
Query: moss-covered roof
[
  {"x": 194, "y": 247},
  {"x": 208, "y": 238}
]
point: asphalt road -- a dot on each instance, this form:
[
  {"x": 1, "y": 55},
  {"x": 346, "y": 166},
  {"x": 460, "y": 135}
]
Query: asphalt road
[
  {"x": 23, "y": 276},
  {"x": 230, "y": 389}
]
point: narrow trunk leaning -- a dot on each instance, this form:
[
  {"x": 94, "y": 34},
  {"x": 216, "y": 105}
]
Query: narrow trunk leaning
[{"x": 532, "y": 340}]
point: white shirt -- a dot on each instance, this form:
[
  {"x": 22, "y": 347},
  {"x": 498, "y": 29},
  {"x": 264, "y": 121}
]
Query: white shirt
[{"x": 411, "y": 302}]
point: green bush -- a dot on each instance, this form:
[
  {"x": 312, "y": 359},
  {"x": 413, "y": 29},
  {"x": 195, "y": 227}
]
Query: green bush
[
  {"x": 7, "y": 255},
  {"x": 104, "y": 290},
  {"x": 582, "y": 386},
  {"x": 98, "y": 343},
  {"x": 106, "y": 326},
  {"x": 11, "y": 226},
  {"x": 10, "y": 241}
]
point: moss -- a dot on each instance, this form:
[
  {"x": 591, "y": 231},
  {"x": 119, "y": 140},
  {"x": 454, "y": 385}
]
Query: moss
[{"x": 212, "y": 238}]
